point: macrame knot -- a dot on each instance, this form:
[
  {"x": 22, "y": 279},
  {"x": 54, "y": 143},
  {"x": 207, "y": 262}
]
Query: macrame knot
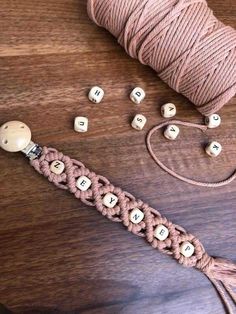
[{"x": 205, "y": 264}]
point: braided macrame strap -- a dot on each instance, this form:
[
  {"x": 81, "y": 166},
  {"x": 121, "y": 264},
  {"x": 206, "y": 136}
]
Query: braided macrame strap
[{"x": 222, "y": 273}]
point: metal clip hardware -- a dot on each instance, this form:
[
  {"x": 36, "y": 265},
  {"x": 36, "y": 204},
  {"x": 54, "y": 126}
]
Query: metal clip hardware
[{"x": 32, "y": 151}]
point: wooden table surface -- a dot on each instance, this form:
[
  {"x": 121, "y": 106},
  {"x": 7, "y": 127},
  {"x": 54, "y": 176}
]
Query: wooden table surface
[{"x": 60, "y": 256}]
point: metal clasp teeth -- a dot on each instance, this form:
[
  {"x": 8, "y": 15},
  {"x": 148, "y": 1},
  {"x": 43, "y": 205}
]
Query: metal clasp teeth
[{"x": 32, "y": 151}]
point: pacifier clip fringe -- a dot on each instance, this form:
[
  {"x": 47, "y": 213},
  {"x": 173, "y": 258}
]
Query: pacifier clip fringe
[{"x": 120, "y": 206}]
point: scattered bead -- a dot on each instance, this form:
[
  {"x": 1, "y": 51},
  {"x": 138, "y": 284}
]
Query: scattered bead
[
  {"x": 214, "y": 149},
  {"x": 81, "y": 124},
  {"x": 161, "y": 233},
  {"x": 213, "y": 121},
  {"x": 139, "y": 122},
  {"x": 168, "y": 110},
  {"x": 187, "y": 249},
  {"x": 110, "y": 200},
  {"x": 171, "y": 132},
  {"x": 96, "y": 94},
  {"x": 14, "y": 136},
  {"x": 136, "y": 216},
  {"x": 57, "y": 167},
  {"x": 137, "y": 95},
  {"x": 83, "y": 183}
]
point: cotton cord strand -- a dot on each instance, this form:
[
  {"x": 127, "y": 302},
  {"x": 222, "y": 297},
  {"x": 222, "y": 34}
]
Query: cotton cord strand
[
  {"x": 221, "y": 272},
  {"x": 189, "y": 48},
  {"x": 172, "y": 172}
]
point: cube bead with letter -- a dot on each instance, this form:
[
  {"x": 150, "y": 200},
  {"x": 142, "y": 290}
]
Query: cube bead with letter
[
  {"x": 96, "y": 94},
  {"x": 137, "y": 95},
  {"x": 139, "y": 122},
  {"x": 81, "y": 124},
  {"x": 171, "y": 132}
]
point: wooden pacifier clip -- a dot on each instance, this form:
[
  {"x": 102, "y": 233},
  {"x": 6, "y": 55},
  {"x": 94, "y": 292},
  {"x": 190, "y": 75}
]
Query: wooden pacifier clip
[{"x": 120, "y": 206}]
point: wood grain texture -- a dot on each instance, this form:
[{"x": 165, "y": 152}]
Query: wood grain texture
[{"x": 59, "y": 256}]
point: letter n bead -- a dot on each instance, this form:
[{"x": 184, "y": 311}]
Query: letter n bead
[
  {"x": 136, "y": 216},
  {"x": 57, "y": 167},
  {"x": 168, "y": 110},
  {"x": 110, "y": 200}
]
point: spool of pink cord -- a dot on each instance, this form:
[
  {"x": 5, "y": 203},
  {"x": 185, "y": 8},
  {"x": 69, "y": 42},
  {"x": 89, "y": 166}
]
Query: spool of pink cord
[{"x": 189, "y": 48}]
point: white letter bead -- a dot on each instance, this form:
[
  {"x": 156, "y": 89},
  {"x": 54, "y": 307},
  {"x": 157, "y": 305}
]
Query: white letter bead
[
  {"x": 83, "y": 183},
  {"x": 161, "y": 233},
  {"x": 110, "y": 200},
  {"x": 96, "y": 94},
  {"x": 57, "y": 167},
  {"x": 136, "y": 216},
  {"x": 187, "y": 249},
  {"x": 139, "y": 122},
  {"x": 213, "y": 121},
  {"x": 171, "y": 132},
  {"x": 81, "y": 124},
  {"x": 168, "y": 110},
  {"x": 137, "y": 95},
  {"x": 214, "y": 149}
]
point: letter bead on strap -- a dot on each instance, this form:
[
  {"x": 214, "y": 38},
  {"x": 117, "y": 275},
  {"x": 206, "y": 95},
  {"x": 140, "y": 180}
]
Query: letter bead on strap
[{"x": 120, "y": 206}]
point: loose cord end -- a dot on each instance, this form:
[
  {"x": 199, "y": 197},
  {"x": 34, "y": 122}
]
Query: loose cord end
[{"x": 222, "y": 274}]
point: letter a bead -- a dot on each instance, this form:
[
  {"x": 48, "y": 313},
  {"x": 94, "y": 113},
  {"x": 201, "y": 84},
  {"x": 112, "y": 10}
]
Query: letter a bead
[
  {"x": 137, "y": 95},
  {"x": 110, "y": 200},
  {"x": 57, "y": 167},
  {"x": 96, "y": 94},
  {"x": 83, "y": 183},
  {"x": 213, "y": 121},
  {"x": 187, "y": 249},
  {"x": 136, "y": 216},
  {"x": 214, "y": 149},
  {"x": 171, "y": 132},
  {"x": 139, "y": 122},
  {"x": 161, "y": 233},
  {"x": 81, "y": 124},
  {"x": 168, "y": 110}
]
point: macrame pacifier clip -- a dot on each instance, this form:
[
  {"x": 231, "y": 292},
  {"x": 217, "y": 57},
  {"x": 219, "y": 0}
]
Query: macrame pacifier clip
[{"x": 120, "y": 206}]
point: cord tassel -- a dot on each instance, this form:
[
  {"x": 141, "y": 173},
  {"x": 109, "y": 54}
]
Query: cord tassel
[{"x": 222, "y": 274}]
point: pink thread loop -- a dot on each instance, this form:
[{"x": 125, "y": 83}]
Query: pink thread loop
[
  {"x": 189, "y": 48},
  {"x": 172, "y": 172}
]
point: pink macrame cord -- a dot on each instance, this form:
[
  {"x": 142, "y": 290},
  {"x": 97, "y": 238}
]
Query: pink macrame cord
[
  {"x": 172, "y": 172},
  {"x": 222, "y": 273},
  {"x": 182, "y": 40}
]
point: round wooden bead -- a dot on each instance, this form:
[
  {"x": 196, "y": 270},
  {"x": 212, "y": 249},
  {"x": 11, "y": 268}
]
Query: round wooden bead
[
  {"x": 187, "y": 249},
  {"x": 213, "y": 121},
  {"x": 14, "y": 136},
  {"x": 214, "y": 149}
]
